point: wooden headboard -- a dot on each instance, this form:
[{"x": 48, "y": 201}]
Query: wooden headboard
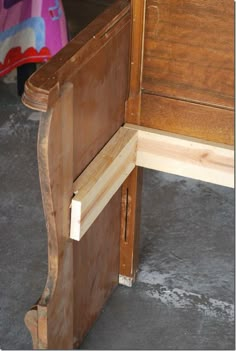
[{"x": 188, "y": 68}]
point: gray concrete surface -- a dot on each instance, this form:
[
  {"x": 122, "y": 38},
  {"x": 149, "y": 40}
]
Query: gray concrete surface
[
  {"x": 184, "y": 294},
  {"x": 23, "y": 243}
]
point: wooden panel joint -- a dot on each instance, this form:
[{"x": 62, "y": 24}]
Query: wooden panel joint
[{"x": 138, "y": 146}]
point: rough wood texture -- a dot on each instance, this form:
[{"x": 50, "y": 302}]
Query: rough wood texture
[
  {"x": 186, "y": 118},
  {"x": 77, "y": 124},
  {"x": 101, "y": 179}
]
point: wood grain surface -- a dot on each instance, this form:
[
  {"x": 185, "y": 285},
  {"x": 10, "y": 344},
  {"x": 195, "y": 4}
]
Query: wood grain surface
[
  {"x": 187, "y": 118},
  {"x": 133, "y": 105},
  {"x": 101, "y": 180},
  {"x": 188, "y": 73},
  {"x": 96, "y": 268},
  {"x": 189, "y": 52},
  {"x": 42, "y": 88},
  {"x": 187, "y": 89},
  {"x": 55, "y": 159},
  {"x": 132, "y": 187},
  {"x": 83, "y": 90},
  {"x": 130, "y": 224},
  {"x": 101, "y": 89},
  {"x": 132, "y": 146}
]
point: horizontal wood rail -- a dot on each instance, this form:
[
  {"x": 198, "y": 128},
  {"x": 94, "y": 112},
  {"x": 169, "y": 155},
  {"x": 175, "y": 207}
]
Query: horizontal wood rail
[
  {"x": 101, "y": 179},
  {"x": 149, "y": 148}
]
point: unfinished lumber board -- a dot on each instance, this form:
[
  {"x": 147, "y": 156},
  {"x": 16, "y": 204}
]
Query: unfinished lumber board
[
  {"x": 101, "y": 179},
  {"x": 185, "y": 156},
  {"x": 134, "y": 146}
]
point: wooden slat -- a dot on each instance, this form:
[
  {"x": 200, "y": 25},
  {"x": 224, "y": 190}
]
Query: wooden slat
[
  {"x": 186, "y": 118},
  {"x": 101, "y": 179},
  {"x": 185, "y": 156},
  {"x": 162, "y": 151}
]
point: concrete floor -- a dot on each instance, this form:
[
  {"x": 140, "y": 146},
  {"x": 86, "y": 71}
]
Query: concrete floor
[
  {"x": 184, "y": 295},
  {"x": 23, "y": 244}
]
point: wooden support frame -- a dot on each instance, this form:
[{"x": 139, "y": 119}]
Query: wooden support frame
[
  {"x": 101, "y": 180},
  {"x": 138, "y": 146},
  {"x": 132, "y": 187},
  {"x": 108, "y": 75}
]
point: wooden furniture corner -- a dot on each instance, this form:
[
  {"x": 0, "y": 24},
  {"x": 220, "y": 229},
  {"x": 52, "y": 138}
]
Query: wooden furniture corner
[{"x": 128, "y": 92}]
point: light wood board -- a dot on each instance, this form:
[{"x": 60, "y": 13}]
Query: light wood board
[
  {"x": 139, "y": 146},
  {"x": 101, "y": 179}
]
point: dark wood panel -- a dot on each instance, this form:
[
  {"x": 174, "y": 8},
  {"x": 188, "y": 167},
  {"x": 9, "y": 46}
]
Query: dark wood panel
[
  {"x": 181, "y": 117},
  {"x": 130, "y": 223},
  {"x": 83, "y": 89},
  {"x": 96, "y": 267},
  {"x": 189, "y": 50},
  {"x": 100, "y": 94},
  {"x": 56, "y": 179}
]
